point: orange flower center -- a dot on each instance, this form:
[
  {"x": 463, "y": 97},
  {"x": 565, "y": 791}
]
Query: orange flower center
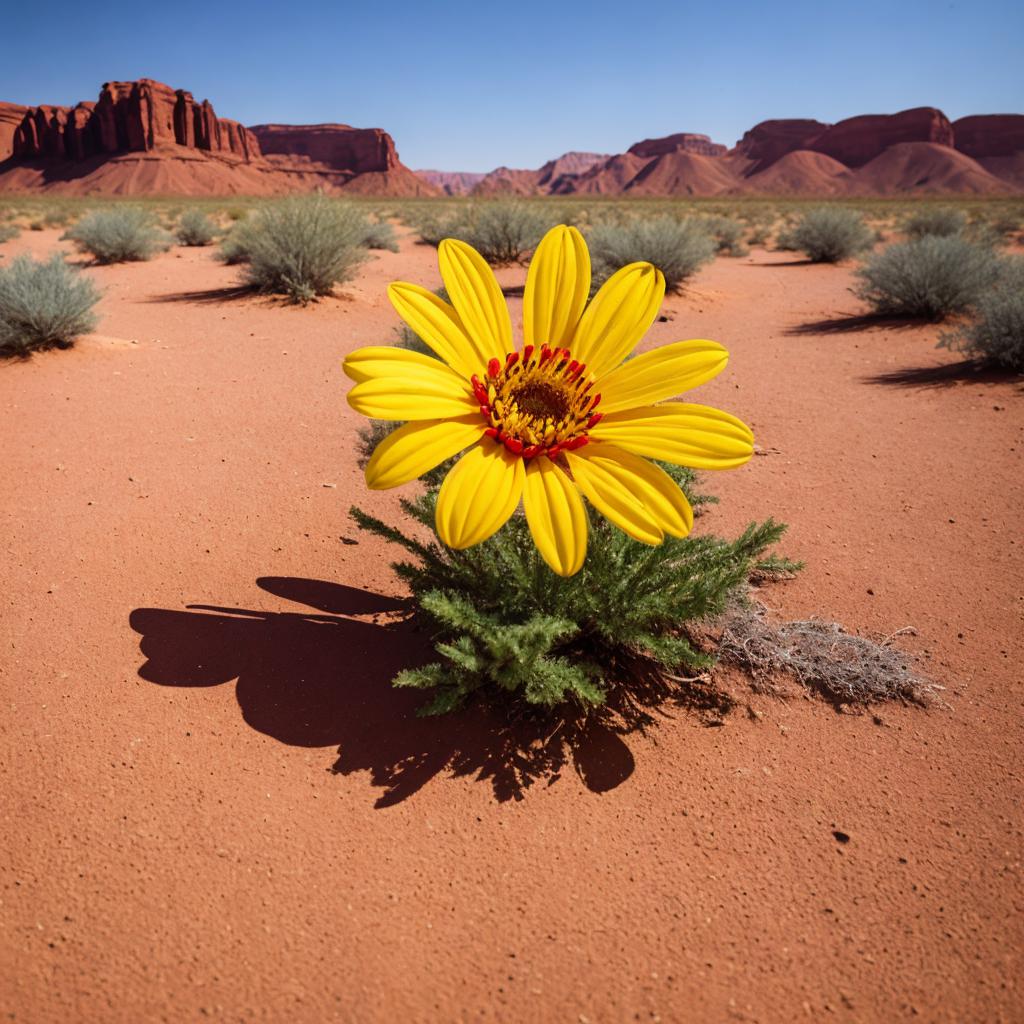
[{"x": 538, "y": 403}]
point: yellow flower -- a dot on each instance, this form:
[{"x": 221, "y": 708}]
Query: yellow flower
[{"x": 562, "y": 415}]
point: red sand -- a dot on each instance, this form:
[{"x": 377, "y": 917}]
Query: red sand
[{"x": 180, "y": 851}]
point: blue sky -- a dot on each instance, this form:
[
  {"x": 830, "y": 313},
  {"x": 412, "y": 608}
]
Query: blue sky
[{"x": 470, "y": 86}]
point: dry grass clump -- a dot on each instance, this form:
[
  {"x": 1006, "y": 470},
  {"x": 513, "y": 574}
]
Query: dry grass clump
[
  {"x": 380, "y": 234},
  {"x": 43, "y": 305},
  {"x": 823, "y": 658},
  {"x": 677, "y": 248},
  {"x": 300, "y": 247},
  {"x": 503, "y": 231},
  {"x": 122, "y": 235},
  {"x": 728, "y": 235},
  {"x": 9, "y": 232},
  {"x": 996, "y": 335},
  {"x": 941, "y": 222},
  {"x": 829, "y": 234},
  {"x": 928, "y": 278},
  {"x": 196, "y": 229}
]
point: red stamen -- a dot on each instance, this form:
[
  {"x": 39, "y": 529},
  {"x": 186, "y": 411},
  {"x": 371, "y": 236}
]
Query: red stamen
[
  {"x": 492, "y": 432},
  {"x": 594, "y": 420},
  {"x": 513, "y": 444},
  {"x": 553, "y": 451},
  {"x": 532, "y": 451},
  {"x": 511, "y": 359},
  {"x": 493, "y": 368},
  {"x": 594, "y": 403},
  {"x": 545, "y": 354},
  {"x": 576, "y": 442},
  {"x": 527, "y": 353},
  {"x": 485, "y": 410},
  {"x": 574, "y": 366}
]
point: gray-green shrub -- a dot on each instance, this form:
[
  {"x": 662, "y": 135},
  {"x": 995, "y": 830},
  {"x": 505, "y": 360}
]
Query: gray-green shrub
[
  {"x": 829, "y": 234},
  {"x": 195, "y": 228},
  {"x": 43, "y": 305},
  {"x": 996, "y": 335},
  {"x": 942, "y": 222},
  {"x": 8, "y": 232},
  {"x": 728, "y": 236},
  {"x": 125, "y": 234},
  {"x": 301, "y": 247},
  {"x": 501, "y": 230},
  {"x": 380, "y": 235},
  {"x": 928, "y": 278},
  {"x": 677, "y": 248}
]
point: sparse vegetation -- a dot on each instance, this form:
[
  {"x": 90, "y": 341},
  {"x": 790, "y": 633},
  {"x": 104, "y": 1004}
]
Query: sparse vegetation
[
  {"x": 929, "y": 278},
  {"x": 940, "y": 222},
  {"x": 380, "y": 235},
  {"x": 728, "y": 236},
  {"x": 43, "y": 305},
  {"x": 8, "y": 232},
  {"x": 677, "y": 248},
  {"x": 996, "y": 335},
  {"x": 502, "y": 230},
  {"x": 118, "y": 235},
  {"x": 300, "y": 247},
  {"x": 196, "y": 229},
  {"x": 830, "y": 234}
]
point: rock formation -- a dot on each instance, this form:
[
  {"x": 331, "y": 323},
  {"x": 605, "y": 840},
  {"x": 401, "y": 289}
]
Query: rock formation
[
  {"x": 686, "y": 142},
  {"x": 11, "y": 115}
]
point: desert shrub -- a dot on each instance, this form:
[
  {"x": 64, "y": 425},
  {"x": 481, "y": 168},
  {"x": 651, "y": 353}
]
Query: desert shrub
[
  {"x": 380, "y": 235},
  {"x": 195, "y": 228},
  {"x": 677, "y": 248},
  {"x": 996, "y": 335},
  {"x": 760, "y": 234},
  {"x": 300, "y": 247},
  {"x": 236, "y": 213},
  {"x": 8, "y": 232},
  {"x": 43, "y": 305},
  {"x": 728, "y": 236},
  {"x": 234, "y": 247},
  {"x": 502, "y": 230},
  {"x": 830, "y": 234},
  {"x": 504, "y": 623},
  {"x": 930, "y": 277},
  {"x": 125, "y": 234},
  {"x": 942, "y": 222}
]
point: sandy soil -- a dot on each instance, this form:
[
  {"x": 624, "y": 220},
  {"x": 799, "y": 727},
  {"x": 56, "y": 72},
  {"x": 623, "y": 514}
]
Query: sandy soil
[{"x": 215, "y": 807}]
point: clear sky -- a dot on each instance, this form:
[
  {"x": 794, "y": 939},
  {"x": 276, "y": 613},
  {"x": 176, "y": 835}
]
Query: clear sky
[{"x": 473, "y": 85}]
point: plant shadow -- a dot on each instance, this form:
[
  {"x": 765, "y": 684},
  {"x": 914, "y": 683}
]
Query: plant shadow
[
  {"x": 944, "y": 375},
  {"x": 322, "y": 677},
  {"x": 858, "y": 322}
]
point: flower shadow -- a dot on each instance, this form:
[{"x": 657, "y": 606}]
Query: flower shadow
[{"x": 322, "y": 677}]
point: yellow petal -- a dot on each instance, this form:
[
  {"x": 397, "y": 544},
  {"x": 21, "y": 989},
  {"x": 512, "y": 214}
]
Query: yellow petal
[
  {"x": 420, "y": 394},
  {"x": 683, "y": 434},
  {"x": 437, "y": 323},
  {"x": 557, "y": 286},
  {"x": 416, "y": 448},
  {"x": 660, "y": 374},
  {"x": 649, "y": 484},
  {"x": 601, "y": 480},
  {"x": 618, "y": 317},
  {"x": 476, "y": 296},
  {"x": 377, "y": 361},
  {"x": 478, "y": 495},
  {"x": 557, "y": 518}
]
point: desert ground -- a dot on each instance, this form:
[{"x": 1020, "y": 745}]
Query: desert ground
[{"x": 216, "y": 807}]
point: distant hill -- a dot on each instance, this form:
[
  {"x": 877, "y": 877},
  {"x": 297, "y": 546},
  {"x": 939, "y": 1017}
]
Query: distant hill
[{"x": 918, "y": 151}]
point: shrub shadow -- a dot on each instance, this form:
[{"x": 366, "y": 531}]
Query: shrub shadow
[
  {"x": 227, "y": 293},
  {"x": 944, "y": 375},
  {"x": 322, "y": 677},
  {"x": 851, "y": 324}
]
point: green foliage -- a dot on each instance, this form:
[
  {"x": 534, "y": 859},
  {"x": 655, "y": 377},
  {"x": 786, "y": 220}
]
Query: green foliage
[
  {"x": 928, "y": 278},
  {"x": 195, "y": 228},
  {"x": 677, "y": 248},
  {"x": 8, "y": 232},
  {"x": 996, "y": 335},
  {"x": 504, "y": 622},
  {"x": 118, "y": 235},
  {"x": 380, "y": 235},
  {"x": 941, "y": 222},
  {"x": 829, "y": 234},
  {"x": 300, "y": 247},
  {"x": 43, "y": 305}
]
